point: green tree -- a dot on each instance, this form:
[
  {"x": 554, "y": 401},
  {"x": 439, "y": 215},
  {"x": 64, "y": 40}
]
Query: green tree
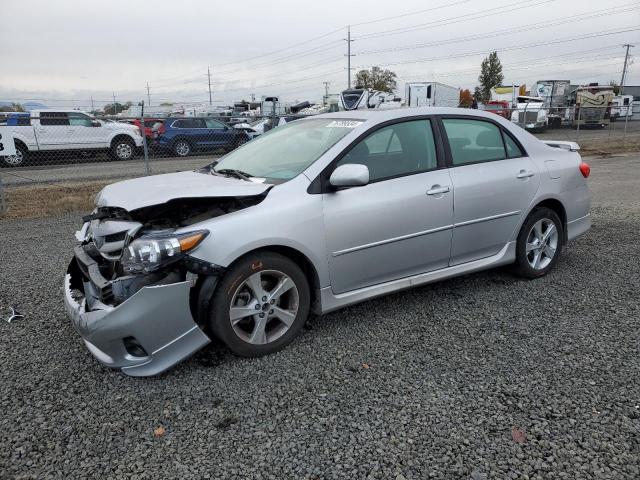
[
  {"x": 115, "y": 108},
  {"x": 14, "y": 107},
  {"x": 616, "y": 87},
  {"x": 490, "y": 76},
  {"x": 376, "y": 79}
]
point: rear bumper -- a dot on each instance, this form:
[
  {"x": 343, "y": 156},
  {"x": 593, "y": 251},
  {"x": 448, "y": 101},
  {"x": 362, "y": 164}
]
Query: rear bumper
[
  {"x": 577, "y": 227},
  {"x": 156, "y": 318}
]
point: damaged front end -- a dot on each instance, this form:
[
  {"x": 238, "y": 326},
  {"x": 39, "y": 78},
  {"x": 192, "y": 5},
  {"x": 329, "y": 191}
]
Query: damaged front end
[{"x": 133, "y": 292}]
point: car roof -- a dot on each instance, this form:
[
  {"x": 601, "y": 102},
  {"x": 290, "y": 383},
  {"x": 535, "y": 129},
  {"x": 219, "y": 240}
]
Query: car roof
[{"x": 375, "y": 116}]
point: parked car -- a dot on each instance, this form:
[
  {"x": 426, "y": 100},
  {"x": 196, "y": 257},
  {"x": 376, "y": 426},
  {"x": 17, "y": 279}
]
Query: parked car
[
  {"x": 315, "y": 215},
  {"x": 254, "y": 128},
  {"x": 148, "y": 125},
  {"x": 499, "y": 107},
  {"x": 186, "y": 135},
  {"x": 69, "y": 131}
]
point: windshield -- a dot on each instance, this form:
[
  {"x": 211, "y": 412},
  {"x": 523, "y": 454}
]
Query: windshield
[{"x": 286, "y": 151}]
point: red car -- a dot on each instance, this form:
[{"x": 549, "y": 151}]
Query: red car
[
  {"x": 148, "y": 125},
  {"x": 499, "y": 107}
]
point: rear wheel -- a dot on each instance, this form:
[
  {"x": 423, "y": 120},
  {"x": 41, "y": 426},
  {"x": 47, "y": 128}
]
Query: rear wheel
[
  {"x": 17, "y": 160},
  {"x": 182, "y": 148},
  {"x": 539, "y": 243},
  {"x": 260, "y": 305}
]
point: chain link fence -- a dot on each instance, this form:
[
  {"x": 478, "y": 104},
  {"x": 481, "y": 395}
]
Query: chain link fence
[{"x": 69, "y": 151}]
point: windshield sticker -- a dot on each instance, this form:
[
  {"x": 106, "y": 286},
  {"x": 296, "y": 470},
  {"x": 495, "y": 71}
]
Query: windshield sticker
[{"x": 344, "y": 124}]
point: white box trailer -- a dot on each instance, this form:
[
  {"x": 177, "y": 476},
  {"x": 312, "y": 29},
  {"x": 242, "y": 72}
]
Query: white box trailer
[{"x": 431, "y": 94}]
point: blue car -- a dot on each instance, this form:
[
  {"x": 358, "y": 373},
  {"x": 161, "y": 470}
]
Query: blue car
[{"x": 184, "y": 136}]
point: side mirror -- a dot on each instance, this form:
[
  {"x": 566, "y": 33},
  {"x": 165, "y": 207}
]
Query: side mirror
[
  {"x": 349, "y": 175},
  {"x": 95, "y": 123}
]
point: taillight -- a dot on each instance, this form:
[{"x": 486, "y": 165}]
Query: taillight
[{"x": 585, "y": 169}]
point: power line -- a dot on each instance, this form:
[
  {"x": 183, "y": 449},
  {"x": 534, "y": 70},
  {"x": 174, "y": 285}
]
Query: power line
[
  {"x": 456, "y": 19},
  {"x": 282, "y": 49},
  {"x": 517, "y": 47},
  {"x": 415, "y": 12},
  {"x": 507, "y": 31}
]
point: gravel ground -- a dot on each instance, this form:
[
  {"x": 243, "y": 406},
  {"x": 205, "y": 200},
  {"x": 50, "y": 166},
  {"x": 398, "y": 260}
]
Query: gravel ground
[{"x": 484, "y": 376}]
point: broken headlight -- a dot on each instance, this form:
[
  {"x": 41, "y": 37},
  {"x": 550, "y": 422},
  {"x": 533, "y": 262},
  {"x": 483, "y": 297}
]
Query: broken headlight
[{"x": 155, "y": 250}]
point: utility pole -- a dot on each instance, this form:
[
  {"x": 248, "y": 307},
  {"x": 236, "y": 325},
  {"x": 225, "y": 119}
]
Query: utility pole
[
  {"x": 624, "y": 69},
  {"x": 349, "y": 55},
  {"x": 114, "y": 103},
  {"x": 326, "y": 89},
  {"x": 148, "y": 96},
  {"x": 92, "y": 109},
  {"x": 209, "y": 75}
]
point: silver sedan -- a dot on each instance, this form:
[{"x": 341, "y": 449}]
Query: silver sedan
[{"x": 313, "y": 216}]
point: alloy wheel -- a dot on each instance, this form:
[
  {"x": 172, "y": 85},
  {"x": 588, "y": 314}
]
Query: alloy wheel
[
  {"x": 15, "y": 160},
  {"x": 124, "y": 151},
  {"x": 183, "y": 149},
  {"x": 264, "y": 307},
  {"x": 542, "y": 244}
]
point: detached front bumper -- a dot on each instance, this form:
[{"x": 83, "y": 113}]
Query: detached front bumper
[{"x": 145, "y": 335}]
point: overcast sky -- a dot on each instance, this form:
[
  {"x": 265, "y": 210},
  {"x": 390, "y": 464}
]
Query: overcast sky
[{"x": 64, "y": 52}]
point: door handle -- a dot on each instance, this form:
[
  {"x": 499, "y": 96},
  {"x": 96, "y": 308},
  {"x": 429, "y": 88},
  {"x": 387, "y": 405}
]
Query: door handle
[
  {"x": 525, "y": 174},
  {"x": 437, "y": 190}
]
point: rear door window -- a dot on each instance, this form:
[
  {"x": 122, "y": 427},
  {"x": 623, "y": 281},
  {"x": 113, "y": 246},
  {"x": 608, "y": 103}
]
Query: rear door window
[
  {"x": 189, "y": 123},
  {"x": 473, "y": 141},
  {"x": 54, "y": 118},
  {"x": 211, "y": 123},
  {"x": 79, "y": 120}
]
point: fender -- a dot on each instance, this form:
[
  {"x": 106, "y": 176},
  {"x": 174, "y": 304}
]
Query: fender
[
  {"x": 31, "y": 144},
  {"x": 119, "y": 133}
]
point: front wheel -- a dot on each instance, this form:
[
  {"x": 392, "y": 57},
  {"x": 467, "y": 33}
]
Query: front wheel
[
  {"x": 261, "y": 304},
  {"x": 17, "y": 160},
  {"x": 539, "y": 243},
  {"x": 123, "y": 149}
]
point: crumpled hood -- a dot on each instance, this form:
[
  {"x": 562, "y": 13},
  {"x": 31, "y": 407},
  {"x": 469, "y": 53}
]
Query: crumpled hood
[{"x": 158, "y": 189}]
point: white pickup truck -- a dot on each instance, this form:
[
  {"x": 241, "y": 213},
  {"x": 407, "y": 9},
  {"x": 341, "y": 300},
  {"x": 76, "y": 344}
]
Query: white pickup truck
[{"x": 69, "y": 130}]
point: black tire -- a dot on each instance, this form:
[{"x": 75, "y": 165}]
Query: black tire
[
  {"x": 182, "y": 148},
  {"x": 522, "y": 266},
  {"x": 17, "y": 160},
  {"x": 123, "y": 149},
  {"x": 219, "y": 312}
]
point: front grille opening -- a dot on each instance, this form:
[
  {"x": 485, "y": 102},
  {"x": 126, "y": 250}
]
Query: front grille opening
[
  {"x": 134, "y": 348},
  {"x": 115, "y": 237}
]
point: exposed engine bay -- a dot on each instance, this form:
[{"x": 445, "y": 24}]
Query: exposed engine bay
[{"x": 109, "y": 231}]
